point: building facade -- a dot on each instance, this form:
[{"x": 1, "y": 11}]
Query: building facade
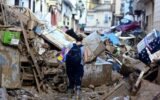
[
  {"x": 117, "y": 11},
  {"x": 146, "y": 11},
  {"x": 34, "y": 5},
  {"x": 56, "y": 12},
  {"x": 99, "y": 17},
  {"x": 157, "y": 15},
  {"x": 127, "y": 6}
]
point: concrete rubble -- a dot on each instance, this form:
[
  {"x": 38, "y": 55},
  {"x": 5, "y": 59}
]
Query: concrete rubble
[{"x": 31, "y": 70}]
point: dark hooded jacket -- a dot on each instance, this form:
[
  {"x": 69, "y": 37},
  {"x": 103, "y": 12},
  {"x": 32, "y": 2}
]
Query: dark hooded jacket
[{"x": 72, "y": 33}]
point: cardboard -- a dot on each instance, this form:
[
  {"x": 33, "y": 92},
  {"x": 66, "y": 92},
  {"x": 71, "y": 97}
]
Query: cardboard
[{"x": 93, "y": 45}]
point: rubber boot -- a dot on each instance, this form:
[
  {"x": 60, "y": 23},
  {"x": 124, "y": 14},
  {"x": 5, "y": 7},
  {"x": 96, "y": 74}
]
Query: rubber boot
[
  {"x": 70, "y": 93},
  {"x": 78, "y": 92}
]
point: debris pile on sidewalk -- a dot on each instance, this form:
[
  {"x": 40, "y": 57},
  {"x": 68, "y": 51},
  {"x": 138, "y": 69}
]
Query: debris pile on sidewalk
[
  {"x": 115, "y": 69},
  {"x": 28, "y": 52}
]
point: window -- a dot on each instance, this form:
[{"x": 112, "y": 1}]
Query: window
[
  {"x": 106, "y": 18},
  {"x": 146, "y": 22},
  {"x": 16, "y": 2},
  {"x": 90, "y": 18},
  {"x": 67, "y": 21},
  {"x": 30, "y": 4},
  {"x": 34, "y": 4},
  {"x": 41, "y": 6}
]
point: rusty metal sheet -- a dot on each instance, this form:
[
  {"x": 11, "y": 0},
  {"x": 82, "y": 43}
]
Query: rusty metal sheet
[{"x": 9, "y": 67}]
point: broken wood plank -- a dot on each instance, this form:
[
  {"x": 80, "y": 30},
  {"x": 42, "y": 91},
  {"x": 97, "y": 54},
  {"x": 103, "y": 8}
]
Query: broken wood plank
[
  {"x": 158, "y": 76},
  {"x": 33, "y": 59},
  {"x": 139, "y": 79},
  {"x": 27, "y": 76},
  {"x": 30, "y": 52},
  {"x": 3, "y": 14},
  {"x": 136, "y": 86},
  {"x": 37, "y": 82},
  {"x": 5, "y": 26},
  {"x": 115, "y": 90}
]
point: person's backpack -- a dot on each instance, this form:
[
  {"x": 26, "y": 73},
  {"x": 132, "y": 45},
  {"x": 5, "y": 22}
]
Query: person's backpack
[{"x": 74, "y": 55}]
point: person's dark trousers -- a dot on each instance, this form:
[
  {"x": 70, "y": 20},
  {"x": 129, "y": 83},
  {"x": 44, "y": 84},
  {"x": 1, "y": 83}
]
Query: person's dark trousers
[{"x": 75, "y": 74}]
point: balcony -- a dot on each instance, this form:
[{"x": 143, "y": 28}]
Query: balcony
[{"x": 51, "y": 2}]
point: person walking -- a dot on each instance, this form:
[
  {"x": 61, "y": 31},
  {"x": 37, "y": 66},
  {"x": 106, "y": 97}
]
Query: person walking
[{"x": 74, "y": 67}]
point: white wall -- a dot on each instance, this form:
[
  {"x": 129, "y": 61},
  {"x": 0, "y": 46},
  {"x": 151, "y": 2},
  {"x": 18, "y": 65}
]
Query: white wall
[
  {"x": 44, "y": 7},
  {"x": 24, "y": 3},
  {"x": 10, "y": 2},
  {"x": 118, "y": 7},
  {"x": 44, "y": 15},
  {"x": 91, "y": 19},
  {"x": 82, "y": 20},
  {"x": 84, "y": 14},
  {"x": 157, "y": 15},
  {"x": 68, "y": 13}
]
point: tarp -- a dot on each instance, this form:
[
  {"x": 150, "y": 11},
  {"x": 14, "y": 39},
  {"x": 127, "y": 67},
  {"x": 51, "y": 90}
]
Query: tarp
[{"x": 112, "y": 37}]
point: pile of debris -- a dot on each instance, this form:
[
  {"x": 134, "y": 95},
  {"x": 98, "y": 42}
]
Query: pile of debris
[{"x": 29, "y": 50}]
